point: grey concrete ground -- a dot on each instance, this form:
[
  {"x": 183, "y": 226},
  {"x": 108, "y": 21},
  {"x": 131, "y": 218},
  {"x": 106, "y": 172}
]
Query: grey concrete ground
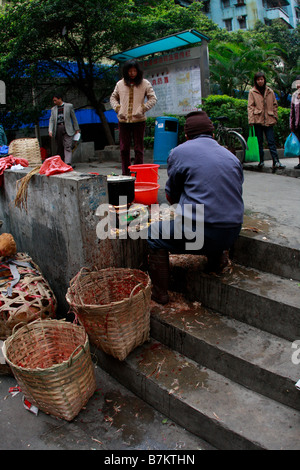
[{"x": 114, "y": 419}]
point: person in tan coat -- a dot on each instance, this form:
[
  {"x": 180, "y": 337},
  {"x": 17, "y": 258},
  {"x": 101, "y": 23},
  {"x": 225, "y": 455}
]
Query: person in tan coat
[
  {"x": 262, "y": 114},
  {"x": 128, "y": 100}
]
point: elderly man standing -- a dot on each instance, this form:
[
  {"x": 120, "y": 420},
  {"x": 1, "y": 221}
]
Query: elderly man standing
[
  {"x": 63, "y": 126},
  {"x": 205, "y": 180}
]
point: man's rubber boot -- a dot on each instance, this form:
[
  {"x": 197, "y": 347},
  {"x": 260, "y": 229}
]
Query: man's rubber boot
[
  {"x": 159, "y": 274},
  {"x": 217, "y": 264}
]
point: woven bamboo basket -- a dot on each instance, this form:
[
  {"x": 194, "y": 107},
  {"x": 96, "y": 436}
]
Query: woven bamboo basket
[
  {"x": 52, "y": 364},
  {"x": 113, "y": 305},
  {"x": 28, "y": 149},
  {"x": 31, "y": 297}
]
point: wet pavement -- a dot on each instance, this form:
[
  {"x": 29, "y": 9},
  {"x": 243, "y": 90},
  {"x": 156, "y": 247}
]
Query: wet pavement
[{"x": 115, "y": 419}]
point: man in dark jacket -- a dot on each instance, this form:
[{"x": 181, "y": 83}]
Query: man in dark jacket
[{"x": 205, "y": 181}]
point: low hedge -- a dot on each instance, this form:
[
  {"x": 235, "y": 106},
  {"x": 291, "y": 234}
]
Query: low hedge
[{"x": 236, "y": 111}]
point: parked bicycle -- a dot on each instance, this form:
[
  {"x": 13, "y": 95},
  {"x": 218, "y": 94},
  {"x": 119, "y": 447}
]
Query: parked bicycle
[{"x": 231, "y": 138}]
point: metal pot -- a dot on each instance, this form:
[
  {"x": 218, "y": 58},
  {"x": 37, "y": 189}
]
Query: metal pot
[{"x": 120, "y": 186}]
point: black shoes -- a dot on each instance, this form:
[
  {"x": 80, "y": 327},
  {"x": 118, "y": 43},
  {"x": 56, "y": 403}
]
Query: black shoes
[
  {"x": 297, "y": 167},
  {"x": 261, "y": 165}
]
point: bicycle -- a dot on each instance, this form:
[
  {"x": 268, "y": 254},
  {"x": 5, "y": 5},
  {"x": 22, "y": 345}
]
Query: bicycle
[{"x": 230, "y": 138}]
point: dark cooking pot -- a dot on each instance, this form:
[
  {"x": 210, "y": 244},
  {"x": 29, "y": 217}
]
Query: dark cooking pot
[{"x": 120, "y": 186}]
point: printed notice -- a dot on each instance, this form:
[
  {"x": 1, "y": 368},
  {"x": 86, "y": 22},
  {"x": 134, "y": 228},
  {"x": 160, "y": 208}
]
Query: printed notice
[{"x": 177, "y": 86}]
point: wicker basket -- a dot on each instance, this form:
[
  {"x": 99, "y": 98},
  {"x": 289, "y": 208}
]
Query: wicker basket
[
  {"x": 114, "y": 307},
  {"x": 31, "y": 297},
  {"x": 28, "y": 149},
  {"x": 51, "y": 362}
]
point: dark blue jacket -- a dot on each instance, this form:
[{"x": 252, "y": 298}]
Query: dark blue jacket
[{"x": 201, "y": 171}]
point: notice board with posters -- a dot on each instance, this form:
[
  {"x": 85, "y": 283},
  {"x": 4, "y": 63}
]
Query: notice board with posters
[{"x": 176, "y": 80}]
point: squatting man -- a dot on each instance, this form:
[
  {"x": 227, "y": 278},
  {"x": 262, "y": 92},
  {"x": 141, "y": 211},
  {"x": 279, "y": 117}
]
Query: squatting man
[{"x": 200, "y": 173}]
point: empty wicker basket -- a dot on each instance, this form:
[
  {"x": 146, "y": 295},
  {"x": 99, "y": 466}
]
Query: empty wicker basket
[
  {"x": 52, "y": 364},
  {"x": 28, "y": 149},
  {"x": 113, "y": 305}
]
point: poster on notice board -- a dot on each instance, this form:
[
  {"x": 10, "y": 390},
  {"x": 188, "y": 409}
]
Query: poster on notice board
[{"x": 176, "y": 80}]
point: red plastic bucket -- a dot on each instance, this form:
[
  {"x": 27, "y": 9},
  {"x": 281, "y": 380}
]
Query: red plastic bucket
[
  {"x": 145, "y": 172},
  {"x": 146, "y": 193}
]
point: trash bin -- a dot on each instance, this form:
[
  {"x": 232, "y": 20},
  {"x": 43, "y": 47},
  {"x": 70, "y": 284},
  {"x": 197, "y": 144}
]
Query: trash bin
[{"x": 165, "y": 138}]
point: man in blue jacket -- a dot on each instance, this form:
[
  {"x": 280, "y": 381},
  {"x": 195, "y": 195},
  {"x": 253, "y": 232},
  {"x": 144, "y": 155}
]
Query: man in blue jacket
[{"x": 205, "y": 181}]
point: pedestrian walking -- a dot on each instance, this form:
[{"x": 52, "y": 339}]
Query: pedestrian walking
[
  {"x": 128, "y": 100},
  {"x": 263, "y": 115},
  {"x": 295, "y": 112},
  {"x": 63, "y": 126}
]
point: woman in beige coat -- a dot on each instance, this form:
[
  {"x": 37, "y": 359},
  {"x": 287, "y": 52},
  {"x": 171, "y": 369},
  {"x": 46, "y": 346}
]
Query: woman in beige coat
[
  {"x": 262, "y": 114},
  {"x": 128, "y": 100}
]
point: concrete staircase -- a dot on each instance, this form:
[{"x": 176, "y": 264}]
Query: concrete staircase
[{"x": 219, "y": 362}]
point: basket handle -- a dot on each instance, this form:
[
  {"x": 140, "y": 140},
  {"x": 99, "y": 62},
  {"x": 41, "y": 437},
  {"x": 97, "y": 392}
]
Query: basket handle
[
  {"x": 74, "y": 352},
  {"x": 135, "y": 287},
  {"x": 17, "y": 326}
]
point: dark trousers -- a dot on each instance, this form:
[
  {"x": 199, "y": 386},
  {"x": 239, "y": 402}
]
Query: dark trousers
[
  {"x": 216, "y": 240},
  {"x": 63, "y": 144},
  {"x": 297, "y": 132},
  {"x": 126, "y": 131},
  {"x": 269, "y": 133}
]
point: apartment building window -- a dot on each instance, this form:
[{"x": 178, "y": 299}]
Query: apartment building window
[
  {"x": 242, "y": 21},
  {"x": 225, "y": 3},
  {"x": 228, "y": 24}
]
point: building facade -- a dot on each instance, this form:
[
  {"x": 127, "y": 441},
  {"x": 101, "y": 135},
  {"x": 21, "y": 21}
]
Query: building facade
[{"x": 243, "y": 14}]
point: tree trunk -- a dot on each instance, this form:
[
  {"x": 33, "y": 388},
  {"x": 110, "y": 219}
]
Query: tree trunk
[{"x": 106, "y": 127}]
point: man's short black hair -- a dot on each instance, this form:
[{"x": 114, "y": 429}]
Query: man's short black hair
[{"x": 58, "y": 95}]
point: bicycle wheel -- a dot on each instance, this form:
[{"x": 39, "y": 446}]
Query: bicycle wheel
[{"x": 237, "y": 145}]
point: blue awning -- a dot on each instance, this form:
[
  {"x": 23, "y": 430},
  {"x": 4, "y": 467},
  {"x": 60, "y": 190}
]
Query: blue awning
[
  {"x": 84, "y": 116},
  {"x": 185, "y": 38}
]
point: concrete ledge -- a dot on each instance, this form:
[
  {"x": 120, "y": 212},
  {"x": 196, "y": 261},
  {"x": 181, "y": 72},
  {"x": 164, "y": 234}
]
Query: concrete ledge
[
  {"x": 58, "y": 230},
  {"x": 112, "y": 153},
  {"x": 84, "y": 152}
]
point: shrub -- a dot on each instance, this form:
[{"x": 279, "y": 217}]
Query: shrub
[{"x": 236, "y": 111}]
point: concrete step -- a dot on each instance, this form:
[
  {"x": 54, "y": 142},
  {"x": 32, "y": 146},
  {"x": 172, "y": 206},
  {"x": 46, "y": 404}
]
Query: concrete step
[
  {"x": 224, "y": 413},
  {"x": 244, "y": 354},
  {"x": 269, "y": 247},
  {"x": 265, "y": 301}
]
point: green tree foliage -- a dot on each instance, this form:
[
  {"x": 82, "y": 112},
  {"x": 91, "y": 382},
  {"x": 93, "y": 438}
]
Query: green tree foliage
[
  {"x": 39, "y": 38},
  {"x": 235, "y": 57},
  {"x": 285, "y": 71}
]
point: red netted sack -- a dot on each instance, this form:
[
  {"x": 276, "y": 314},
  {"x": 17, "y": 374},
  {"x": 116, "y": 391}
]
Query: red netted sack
[{"x": 53, "y": 166}]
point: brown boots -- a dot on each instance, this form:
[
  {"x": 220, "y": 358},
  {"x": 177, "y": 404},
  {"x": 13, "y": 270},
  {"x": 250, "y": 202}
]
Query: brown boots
[{"x": 159, "y": 273}]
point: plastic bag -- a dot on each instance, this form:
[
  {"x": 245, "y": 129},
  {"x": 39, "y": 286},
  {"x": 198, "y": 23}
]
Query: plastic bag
[
  {"x": 252, "y": 153},
  {"x": 8, "y": 162},
  {"x": 292, "y": 146},
  {"x": 53, "y": 166},
  {"x": 4, "y": 149}
]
